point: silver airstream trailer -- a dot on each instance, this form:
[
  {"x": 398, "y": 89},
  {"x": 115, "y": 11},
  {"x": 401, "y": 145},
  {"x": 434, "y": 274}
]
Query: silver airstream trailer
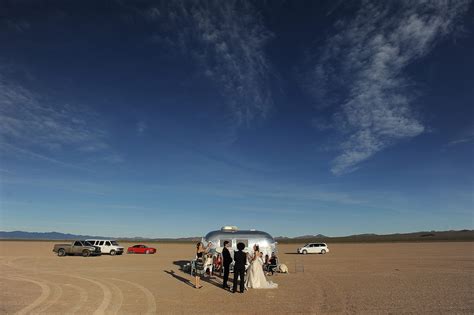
[{"x": 232, "y": 234}]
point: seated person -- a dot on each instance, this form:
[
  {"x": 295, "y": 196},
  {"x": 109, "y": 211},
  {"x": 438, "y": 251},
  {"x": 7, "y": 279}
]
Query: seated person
[
  {"x": 218, "y": 263},
  {"x": 273, "y": 263},
  {"x": 208, "y": 264},
  {"x": 266, "y": 263}
]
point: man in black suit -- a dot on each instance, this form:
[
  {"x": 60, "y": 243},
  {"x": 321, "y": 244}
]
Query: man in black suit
[
  {"x": 240, "y": 259},
  {"x": 226, "y": 264}
]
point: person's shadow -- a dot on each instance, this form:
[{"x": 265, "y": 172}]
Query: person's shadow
[
  {"x": 182, "y": 279},
  {"x": 211, "y": 281},
  {"x": 181, "y": 264}
]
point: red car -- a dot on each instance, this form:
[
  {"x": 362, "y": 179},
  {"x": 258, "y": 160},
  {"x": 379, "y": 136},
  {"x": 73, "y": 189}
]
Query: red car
[{"x": 141, "y": 249}]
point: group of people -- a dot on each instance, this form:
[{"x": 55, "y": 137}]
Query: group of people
[
  {"x": 247, "y": 278},
  {"x": 214, "y": 263}
]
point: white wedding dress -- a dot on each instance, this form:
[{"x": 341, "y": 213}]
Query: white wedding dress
[{"x": 255, "y": 278}]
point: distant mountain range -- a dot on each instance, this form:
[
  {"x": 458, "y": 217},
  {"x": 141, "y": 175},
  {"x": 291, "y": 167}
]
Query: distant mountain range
[
  {"x": 280, "y": 238},
  {"x": 463, "y": 235},
  {"x": 22, "y": 235}
]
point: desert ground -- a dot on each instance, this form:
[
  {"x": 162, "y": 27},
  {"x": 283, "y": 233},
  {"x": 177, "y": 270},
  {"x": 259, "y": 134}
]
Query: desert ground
[{"x": 352, "y": 278}]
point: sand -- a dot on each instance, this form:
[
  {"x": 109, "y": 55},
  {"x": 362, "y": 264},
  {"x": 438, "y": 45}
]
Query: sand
[{"x": 352, "y": 278}]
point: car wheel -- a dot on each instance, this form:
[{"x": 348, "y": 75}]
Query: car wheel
[
  {"x": 147, "y": 252},
  {"x": 323, "y": 251},
  {"x": 86, "y": 253},
  {"x": 61, "y": 252},
  {"x": 305, "y": 252},
  {"x": 112, "y": 253},
  {"x": 129, "y": 252}
]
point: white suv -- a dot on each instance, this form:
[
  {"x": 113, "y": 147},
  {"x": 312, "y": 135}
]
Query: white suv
[
  {"x": 108, "y": 247},
  {"x": 310, "y": 248}
]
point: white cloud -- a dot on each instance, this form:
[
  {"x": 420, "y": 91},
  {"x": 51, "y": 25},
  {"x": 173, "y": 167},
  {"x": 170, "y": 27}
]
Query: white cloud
[
  {"x": 361, "y": 72},
  {"x": 465, "y": 137},
  {"x": 461, "y": 141},
  {"x": 227, "y": 39}
]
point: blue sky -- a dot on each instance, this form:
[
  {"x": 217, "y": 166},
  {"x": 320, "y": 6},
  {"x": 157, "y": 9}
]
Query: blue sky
[{"x": 173, "y": 118}]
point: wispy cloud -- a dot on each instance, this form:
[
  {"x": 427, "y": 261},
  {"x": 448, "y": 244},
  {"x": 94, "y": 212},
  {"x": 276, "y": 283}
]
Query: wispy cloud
[
  {"x": 89, "y": 188},
  {"x": 20, "y": 151},
  {"x": 18, "y": 25},
  {"x": 466, "y": 137},
  {"x": 30, "y": 123},
  {"x": 360, "y": 73},
  {"x": 269, "y": 192},
  {"x": 227, "y": 39},
  {"x": 459, "y": 141}
]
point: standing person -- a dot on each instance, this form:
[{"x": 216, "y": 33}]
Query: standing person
[
  {"x": 255, "y": 276},
  {"x": 226, "y": 264},
  {"x": 240, "y": 259},
  {"x": 200, "y": 251}
]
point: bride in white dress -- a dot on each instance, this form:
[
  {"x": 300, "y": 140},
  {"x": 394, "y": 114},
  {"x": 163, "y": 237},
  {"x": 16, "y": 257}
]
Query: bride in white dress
[{"x": 255, "y": 276}]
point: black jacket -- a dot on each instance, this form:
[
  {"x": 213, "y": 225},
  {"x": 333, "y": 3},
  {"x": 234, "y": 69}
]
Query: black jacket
[
  {"x": 226, "y": 256},
  {"x": 240, "y": 259}
]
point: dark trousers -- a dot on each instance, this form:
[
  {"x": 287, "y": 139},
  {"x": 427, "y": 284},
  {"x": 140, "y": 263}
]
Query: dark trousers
[
  {"x": 226, "y": 275},
  {"x": 271, "y": 268},
  {"x": 239, "y": 273}
]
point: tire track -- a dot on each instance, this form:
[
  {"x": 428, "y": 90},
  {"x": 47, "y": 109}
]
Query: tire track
[
  {"x": 116, "y": 306},
  {"x": 57, "y": 292},
  {"x": 83, "y": 296},
  {"x": 9, "y": 262},
  {"x": 45, "y": 293},
  {"x": 107, "y": 294},
  {"x": 151, "y": 303}
]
